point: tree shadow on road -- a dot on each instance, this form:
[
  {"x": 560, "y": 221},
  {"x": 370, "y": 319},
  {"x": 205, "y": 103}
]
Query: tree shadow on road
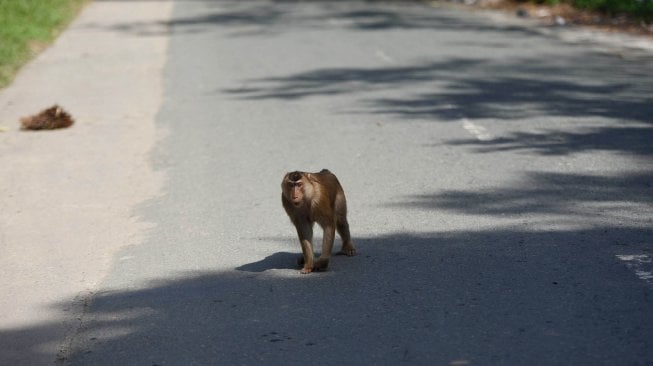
[
  {"x": 543, "y": 79},
  {"x": 513, "y": 88},
  {"x": 584, "y": 97},
  {"x": 504, "y": 296},
  {"x": 574, "y": 196},
  {"x": 275, "y": 17},
  {"x": 635, "y": 141}
]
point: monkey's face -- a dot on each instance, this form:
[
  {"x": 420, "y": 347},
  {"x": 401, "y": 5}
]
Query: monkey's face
[
  {"x": 293, "y": 188},
  {"x": 297, "y": 193}
]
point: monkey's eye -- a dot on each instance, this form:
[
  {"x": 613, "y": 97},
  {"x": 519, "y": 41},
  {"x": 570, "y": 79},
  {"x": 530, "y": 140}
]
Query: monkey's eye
[{"x": 298, "y": 184}]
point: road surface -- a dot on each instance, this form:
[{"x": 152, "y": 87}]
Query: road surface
[{"x": 498, "y": 174}]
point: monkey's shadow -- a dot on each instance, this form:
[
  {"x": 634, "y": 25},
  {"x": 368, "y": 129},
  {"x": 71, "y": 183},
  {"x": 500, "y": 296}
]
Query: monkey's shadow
[{"x": 280, "y": 260}]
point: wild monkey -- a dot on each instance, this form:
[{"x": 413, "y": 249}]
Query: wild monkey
[{"x": 316, "y": 197}]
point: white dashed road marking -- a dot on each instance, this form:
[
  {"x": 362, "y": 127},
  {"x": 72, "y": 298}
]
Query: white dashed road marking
[
  {"x": 641, "y": 264},
  {"x": 480, "y": 132},
  {"x": 383, "y": 56}
]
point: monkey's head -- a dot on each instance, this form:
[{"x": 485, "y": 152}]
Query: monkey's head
[
  {"x": 294, "y": 187},
  {"x": 295, "y": 176}
]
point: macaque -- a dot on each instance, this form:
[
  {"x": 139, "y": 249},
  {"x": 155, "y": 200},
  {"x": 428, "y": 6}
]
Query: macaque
[{"x": 317, "y": 197}]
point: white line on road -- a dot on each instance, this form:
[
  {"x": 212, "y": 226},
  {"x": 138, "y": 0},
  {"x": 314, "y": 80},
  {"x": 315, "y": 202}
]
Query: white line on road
[
  {"x": 383, "y": 56},
  {"x": 641, "y": 264},
  {"x": 480, "y": 132}
]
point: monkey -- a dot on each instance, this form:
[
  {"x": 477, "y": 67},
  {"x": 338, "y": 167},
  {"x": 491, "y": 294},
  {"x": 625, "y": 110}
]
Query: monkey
[{"x": 316, "y": 197}]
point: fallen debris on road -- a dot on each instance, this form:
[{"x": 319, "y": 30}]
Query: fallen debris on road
[{"x": 48, "y": 119}]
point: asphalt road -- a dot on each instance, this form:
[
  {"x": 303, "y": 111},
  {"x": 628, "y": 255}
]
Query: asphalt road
[{"x": 498, "y": 175}]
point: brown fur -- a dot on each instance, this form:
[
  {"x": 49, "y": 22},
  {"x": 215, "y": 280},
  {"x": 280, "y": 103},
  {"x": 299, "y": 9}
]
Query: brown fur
[
  {"x": 317, "y": 197},
  {"x": 48, "y": 119}
]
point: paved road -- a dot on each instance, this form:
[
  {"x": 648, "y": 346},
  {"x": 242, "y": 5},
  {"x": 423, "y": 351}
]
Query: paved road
[{"x": 499, "y": 185}]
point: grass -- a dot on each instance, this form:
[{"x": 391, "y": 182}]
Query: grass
[
  {"x": 640, "y": 9},
  {"x": 27, "y": 27}
]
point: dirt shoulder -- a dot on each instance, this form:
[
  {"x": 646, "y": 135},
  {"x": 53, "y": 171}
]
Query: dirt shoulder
[{"x": 68, "y": 196}]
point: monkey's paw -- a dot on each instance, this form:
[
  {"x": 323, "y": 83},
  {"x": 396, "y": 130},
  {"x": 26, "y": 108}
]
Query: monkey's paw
[
  {"x": 349, "y": 252},
  {"x": 306, "y": 270},
  {"x": 321, "y": 264}
]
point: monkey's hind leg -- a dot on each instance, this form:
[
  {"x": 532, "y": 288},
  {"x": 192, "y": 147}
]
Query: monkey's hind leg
[
  {"x": 343, "y": 230},
  {"x": 322, "y": 262}
]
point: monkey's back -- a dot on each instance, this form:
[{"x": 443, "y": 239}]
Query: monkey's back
[{"x": 329, "y": 181}]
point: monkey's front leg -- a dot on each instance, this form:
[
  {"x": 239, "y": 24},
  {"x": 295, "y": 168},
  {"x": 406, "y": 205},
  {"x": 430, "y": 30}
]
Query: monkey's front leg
[
  {"x": 305, "y": 233},
  {"x": 327, "y": 246}
]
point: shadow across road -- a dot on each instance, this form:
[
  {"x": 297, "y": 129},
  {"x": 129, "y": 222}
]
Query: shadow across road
[
  {"x": 287, "y": 16},
  {"x": 573, "y": 197},
  {"x": 504, "y": 296},
  {"x": 634, "y": 140},
  {"x": 509, "y": 89}
]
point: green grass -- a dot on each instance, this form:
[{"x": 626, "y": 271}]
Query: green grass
[
  {"x": 640, "y": 9},
  {"x": 28, "y": 26}
]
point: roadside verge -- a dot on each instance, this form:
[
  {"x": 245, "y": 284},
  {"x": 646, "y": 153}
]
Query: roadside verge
[{"x": 67, "y": 195}]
